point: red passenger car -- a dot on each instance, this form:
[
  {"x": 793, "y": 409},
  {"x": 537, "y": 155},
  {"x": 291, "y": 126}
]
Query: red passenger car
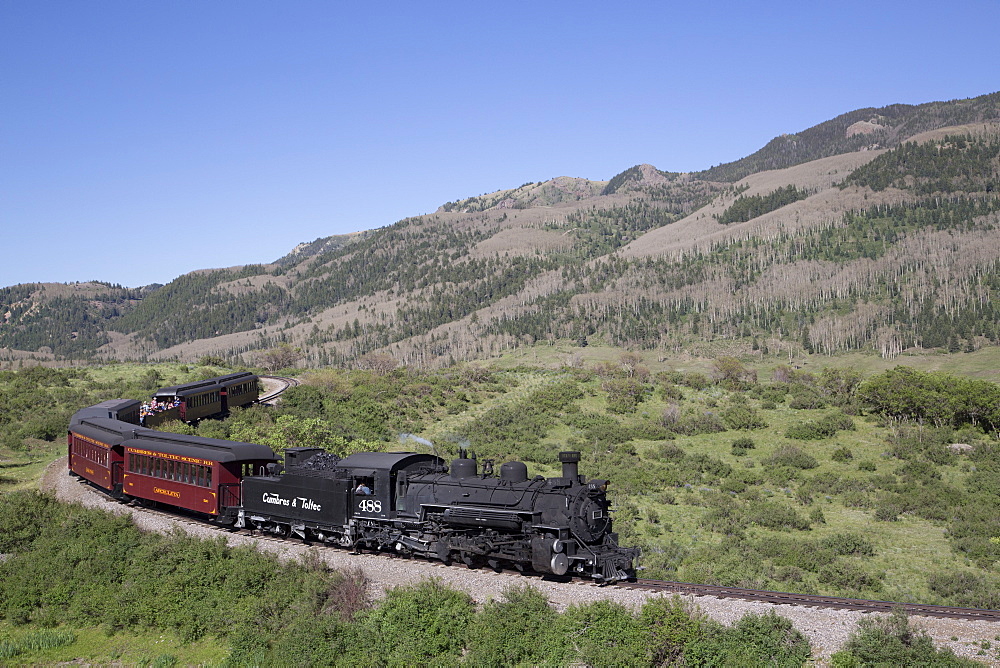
[
  {"x": 95, "y": 448},
  {"x": 133, "y": 462},
  {"x": 200, "y": 474}
]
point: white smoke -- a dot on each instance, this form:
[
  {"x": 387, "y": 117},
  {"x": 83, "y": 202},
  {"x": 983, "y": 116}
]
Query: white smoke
[{"x": 422, "y": 441}]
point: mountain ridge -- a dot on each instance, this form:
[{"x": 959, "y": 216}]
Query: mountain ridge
[{"x": 560, "y": 258}]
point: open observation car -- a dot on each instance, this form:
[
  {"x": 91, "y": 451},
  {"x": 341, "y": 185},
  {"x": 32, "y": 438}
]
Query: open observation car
[{"x": 193, "y": 401}]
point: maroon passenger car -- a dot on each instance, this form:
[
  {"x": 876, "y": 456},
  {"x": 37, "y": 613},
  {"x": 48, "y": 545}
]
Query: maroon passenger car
[{"x": 133, "y": 462}]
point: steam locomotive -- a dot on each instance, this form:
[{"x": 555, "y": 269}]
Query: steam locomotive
[
  {"x": 413, "y": 504},
  {"x": 409, "y": 503}
]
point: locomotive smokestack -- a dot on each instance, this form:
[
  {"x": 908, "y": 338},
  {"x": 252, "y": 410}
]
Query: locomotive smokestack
[{"x": 569, "y": 464}]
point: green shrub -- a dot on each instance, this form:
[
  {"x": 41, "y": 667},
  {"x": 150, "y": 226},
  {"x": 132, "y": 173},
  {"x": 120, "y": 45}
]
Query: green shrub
[
  {"x": 671, "y": 392},
  {"x": 848, "y": 575},
  {"x": 849, "y": 544},
  {"x": 602, "y": 634},
  {"x": 742, "y": 444},
  {"x": 774, "y": 394},
  {"x": 965, "y": 589},
  {"x": 670, "y": 452},
  {"x": 742, "y": 417},
  {"x": 497, "y": 634},
  {"x": 415, "y": 625},
  {"x": 668, "y": 626},
  {"x": 755, "y": 640},
  {"x": 696, "y": 381},
  {"x": 805, "y": 397},
  {"x": 866, "y": 465},
  {"x": 824, "y": 427},
  {"x": 733, "y": 485},
  {"x": 890, "y": 641},
  {"x": 694, "y": 421},
  {"x": 886, "y": 511},
  {"x": 790, "y": 455},
  {"x": 842, "y": 454},
  {"x": 624, "y": 394},
  {"x": 834, "y": 422},
  {"x": 775, "y": 516},
  {"x": 806, "y": 431}
]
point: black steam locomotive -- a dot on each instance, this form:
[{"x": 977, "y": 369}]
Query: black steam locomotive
[
  {"x": 403, "y": 502},
  {"x": 413, "y": 504}
]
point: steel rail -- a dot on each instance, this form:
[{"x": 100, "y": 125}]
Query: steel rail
[
  {"x": 287, "y": 383},
  {"x": 812, "y": 600}
]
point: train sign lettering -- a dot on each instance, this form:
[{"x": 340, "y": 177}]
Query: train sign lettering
[
  {"x": 370, "y": 506},
  {"x": 297, "y": 502},
  {"x": 167, "y": 492}
]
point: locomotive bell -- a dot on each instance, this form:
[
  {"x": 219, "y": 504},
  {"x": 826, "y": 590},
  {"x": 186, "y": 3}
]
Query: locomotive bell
[{"x": 570, "y": 460}]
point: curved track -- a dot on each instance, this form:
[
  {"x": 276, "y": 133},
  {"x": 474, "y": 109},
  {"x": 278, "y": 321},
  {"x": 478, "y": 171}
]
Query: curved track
[
  {"x": 772, "y": 597},
  {"x": 285, "y": 382},
  {"x": 815, "y": 601}
]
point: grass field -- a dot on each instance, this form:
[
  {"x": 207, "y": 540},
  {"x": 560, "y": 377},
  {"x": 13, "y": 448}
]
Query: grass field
[
  {"x": 97, "y": 645},
  {"x": 678, "y": 525}
]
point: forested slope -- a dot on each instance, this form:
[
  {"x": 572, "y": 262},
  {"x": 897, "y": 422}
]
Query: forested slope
[{"x": 890, "y": 247}]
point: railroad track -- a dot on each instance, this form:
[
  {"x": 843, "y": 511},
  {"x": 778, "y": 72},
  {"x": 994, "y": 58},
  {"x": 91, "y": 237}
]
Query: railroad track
[
  {"x": 814, "y": 601},
  {"x": 286, "y": 382},
  {"x": 772, "y": 597}
]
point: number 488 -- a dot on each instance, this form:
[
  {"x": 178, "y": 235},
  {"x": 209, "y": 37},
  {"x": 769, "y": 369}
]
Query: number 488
[{"x": 370, "y": 506}]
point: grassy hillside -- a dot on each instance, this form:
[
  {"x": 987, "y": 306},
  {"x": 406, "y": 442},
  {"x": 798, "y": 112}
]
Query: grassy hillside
[{"x": 725, "y": 471}]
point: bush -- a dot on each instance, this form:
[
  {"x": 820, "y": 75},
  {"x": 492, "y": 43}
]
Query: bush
[
  {"x": 965, "y": 589},
  {"x": 755, "y": 640},
  {"x": 671, "y": 392},
  {"x": 603, "y": 634},
  {"x": 694, "y": 421},
  {"x": 889, "y": 641},
  {"x": 415, "y": 625},
  {"x": 838, "y": 421},
  {"x": 624, "y": 394},
  {"x": 847, "y": 575},
  {"x": 742, "y": 417},
  {"x": 849, "y": 544},
  {"x": 805, "y": 397},
  {"x": 806, "y": 431},
  {"x": 774, "y": 394},
  {"x": 775, "y": 516},
  {"x": 497, "y": 634},
  {"x": 669, "y": 452},
  {"x": 842, "y": 454},
  {"x": 669, "y": 626},
  {"x": 790, "y": 455},
  {"x": 696, "y": 381}
]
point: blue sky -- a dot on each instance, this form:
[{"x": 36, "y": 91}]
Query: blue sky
[{"x": 140, "y": 140}]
